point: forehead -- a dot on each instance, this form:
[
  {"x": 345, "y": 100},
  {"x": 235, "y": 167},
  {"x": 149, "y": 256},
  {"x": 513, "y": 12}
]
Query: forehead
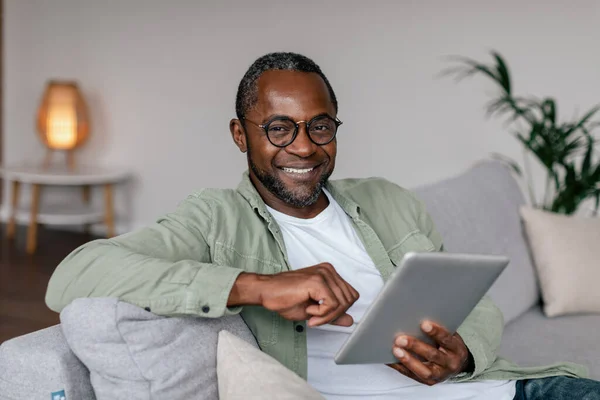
[{"x": 296, "y": 94}]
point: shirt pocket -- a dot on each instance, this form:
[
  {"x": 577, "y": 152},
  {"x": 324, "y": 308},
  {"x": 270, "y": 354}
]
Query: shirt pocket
[{"x": 413, "y": 242}]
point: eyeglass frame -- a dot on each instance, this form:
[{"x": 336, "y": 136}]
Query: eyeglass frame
[{"x": 265, "y": 127}]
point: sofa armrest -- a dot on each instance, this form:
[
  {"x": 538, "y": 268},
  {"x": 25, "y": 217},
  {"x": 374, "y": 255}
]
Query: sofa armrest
[{"x": 40, "y": 365}]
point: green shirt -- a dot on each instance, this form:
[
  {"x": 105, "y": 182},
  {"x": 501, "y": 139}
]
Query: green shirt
[{"x": 187, "y": 262}]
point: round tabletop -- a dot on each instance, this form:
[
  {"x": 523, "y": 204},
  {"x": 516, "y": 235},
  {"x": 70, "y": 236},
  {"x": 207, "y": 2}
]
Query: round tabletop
[{"x": 63, "y": 175}]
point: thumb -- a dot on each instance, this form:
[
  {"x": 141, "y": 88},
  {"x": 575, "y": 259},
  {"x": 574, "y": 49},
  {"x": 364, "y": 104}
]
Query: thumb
[{"x": 343, "y": 320}]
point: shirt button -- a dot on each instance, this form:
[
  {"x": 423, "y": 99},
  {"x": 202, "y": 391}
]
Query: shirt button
[
  {"x": 299, "y": 328},
  {"x": 205, "y": 309}
]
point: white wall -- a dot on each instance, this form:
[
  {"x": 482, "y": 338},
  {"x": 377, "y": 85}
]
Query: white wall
[{"x": 161, "y": 76}]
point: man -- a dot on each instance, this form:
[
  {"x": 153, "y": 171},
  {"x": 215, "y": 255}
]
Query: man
[{"x": 302, "y": 257}]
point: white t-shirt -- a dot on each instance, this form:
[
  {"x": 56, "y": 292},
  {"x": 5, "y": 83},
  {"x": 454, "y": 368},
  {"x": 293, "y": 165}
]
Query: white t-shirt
[{"x": 330, "y": 237}]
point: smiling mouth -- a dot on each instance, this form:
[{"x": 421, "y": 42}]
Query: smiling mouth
[{"x": 297, "y": 170}]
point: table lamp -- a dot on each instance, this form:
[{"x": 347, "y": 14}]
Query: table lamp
[{"x": 62, "y": 119}]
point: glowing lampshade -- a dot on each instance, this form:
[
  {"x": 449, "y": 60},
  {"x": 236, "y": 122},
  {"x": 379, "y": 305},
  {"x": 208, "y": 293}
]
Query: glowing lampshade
[{"x": 62, "y": 118}]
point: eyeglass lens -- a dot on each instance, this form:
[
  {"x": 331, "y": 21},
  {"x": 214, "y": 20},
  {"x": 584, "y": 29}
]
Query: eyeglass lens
[{"x": 281, "y": 130}]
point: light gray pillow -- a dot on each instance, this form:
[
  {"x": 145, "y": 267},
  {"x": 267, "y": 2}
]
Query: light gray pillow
[{"x": 133, "y": 354}]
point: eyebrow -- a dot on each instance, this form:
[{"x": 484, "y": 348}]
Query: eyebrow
[{"x": 273, "y": 116}]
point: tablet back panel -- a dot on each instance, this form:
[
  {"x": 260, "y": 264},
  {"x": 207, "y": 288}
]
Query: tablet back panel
[{"x": 441, "y": 287}]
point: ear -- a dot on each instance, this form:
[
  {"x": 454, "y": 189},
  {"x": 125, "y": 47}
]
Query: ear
[{"x": 238, "y": 133}]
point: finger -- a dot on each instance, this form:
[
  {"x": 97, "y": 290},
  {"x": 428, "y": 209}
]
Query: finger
[
  {"x": 355, "y": 294},
  {"x": 323, "y": 298},
  {"x": 333, "y": 304},
  {"x": 351, "y": 293},
  {"x": 343, "y": 320},
  {"x": 441, "y": 336},
  {"x": 337, "y": 284},
  {"x": 415, "y": 366},
  {"x": 423, "y": 350},
  {"x": 329, "y": 318},
  {"x": 349, "y": 290},
  {"x": 327, "y": 309},
  {"x": 451, "y": 345},
  {"x": 460, "y": 341}
]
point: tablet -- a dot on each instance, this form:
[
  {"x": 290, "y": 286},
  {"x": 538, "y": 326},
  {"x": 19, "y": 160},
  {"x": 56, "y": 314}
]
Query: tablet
[{"x": 441, "y": 287}]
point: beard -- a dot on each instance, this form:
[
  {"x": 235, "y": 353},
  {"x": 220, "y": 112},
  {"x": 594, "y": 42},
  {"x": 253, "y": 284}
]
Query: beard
[{"x": 297, "y": 197}]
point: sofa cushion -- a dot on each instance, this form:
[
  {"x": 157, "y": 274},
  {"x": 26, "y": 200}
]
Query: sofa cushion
[
  {"x": 534, "y": 339},
  {"x": 133, "y": 354},
  {"x": 40, "y": 366},
  {"x": 478, "y": 212},
  {"x": 566, "y": 253}
]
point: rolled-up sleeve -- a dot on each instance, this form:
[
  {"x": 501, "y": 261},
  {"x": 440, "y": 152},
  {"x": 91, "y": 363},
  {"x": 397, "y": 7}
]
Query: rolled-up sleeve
[{"x": 165, "y": 267}]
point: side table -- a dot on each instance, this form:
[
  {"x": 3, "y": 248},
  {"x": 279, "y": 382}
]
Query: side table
[{"x": 68, "y": 213}]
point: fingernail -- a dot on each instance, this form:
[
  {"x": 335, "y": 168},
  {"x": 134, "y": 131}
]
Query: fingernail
[
  {"x": 402, "y": 341},
  {"x": 427, "y": 327},
  {"x": 398, "y": 352}
]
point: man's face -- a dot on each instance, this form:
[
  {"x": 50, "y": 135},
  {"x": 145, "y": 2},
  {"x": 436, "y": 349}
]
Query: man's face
[{"x": 296, "y": 173}]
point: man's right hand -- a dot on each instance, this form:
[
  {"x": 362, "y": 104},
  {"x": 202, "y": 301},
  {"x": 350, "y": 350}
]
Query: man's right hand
[{"x": 317, "y": 294}]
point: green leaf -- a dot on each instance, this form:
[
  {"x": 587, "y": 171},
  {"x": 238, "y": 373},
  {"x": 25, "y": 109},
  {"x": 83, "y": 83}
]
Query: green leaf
[
  {"x": 584, "y": 119},
  {"x": 587, "y": 160},
  {"x": 549, "y": 110},
  {"x": 470, "y": 67},
  {"x": 503, "y": 74},
  {"x": 499, "y": 105}
]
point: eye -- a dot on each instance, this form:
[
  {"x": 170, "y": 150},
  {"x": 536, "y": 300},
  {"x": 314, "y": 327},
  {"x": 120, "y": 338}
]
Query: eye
[{"x": 281, "y": 127}]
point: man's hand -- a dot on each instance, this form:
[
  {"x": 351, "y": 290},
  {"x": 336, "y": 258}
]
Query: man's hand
[
  {"x": 428, "y": 364},
  {"x": 317, "y": 294}
]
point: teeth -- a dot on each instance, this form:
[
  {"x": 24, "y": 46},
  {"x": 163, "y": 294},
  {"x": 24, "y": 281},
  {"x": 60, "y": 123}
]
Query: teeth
[{"x": 297, "y": 171}]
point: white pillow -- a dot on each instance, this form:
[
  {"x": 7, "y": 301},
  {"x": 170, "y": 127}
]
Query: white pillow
[
  {"x": 566, "y": 252},
  {"x": 245, "y": 372}
]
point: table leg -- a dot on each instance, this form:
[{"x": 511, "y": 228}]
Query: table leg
[
  {"x": 32, "y": 231},
  {"x": 109, "y": 214},
  {"x": 14, "y": 203},
  {"x": 86, "y": 201}
]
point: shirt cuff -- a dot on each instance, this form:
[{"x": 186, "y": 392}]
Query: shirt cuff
[
  {"x": 208, "y": 293},
  {"x": 480, "y": 360},
  {"x": 205, "y": 294}
]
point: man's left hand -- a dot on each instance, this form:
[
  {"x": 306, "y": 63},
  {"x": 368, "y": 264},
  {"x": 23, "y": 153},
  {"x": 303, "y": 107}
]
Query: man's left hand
[{"x": 429, "y": 364}]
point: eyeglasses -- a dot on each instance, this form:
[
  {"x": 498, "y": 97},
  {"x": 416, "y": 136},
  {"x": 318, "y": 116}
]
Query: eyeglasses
[{"x": 282, "y": 131}]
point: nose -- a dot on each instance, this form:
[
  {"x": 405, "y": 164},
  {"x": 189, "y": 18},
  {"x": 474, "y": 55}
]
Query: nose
[{"x": 302, "y": 146}]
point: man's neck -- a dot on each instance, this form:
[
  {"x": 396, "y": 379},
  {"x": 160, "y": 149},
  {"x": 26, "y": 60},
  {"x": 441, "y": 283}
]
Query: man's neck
[{"x": 276, "y": 203}]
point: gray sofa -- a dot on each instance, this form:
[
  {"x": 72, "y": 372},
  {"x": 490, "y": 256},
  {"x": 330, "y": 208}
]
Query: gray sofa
[{"x": 475, "y": 212}]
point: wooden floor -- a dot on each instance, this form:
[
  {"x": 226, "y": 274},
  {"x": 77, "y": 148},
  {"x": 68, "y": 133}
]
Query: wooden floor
[{"x": 23, "y": 279}]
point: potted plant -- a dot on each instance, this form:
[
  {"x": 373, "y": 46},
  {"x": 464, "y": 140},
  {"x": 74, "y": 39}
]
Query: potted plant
[{"x": 566, "y": 149}]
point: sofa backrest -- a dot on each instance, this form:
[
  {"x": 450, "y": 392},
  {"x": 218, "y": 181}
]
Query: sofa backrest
[
  {"x": 41, "y": 366},
  {"x": 478, "y": 212}
]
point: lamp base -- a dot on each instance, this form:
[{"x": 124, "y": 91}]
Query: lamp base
[{"x": 69, "y": 156}]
